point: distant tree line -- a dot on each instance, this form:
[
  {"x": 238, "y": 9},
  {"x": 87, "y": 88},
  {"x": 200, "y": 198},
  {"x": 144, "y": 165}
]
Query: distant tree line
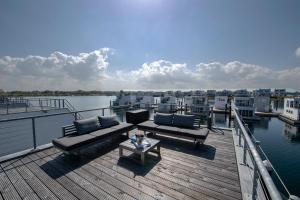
[{"x": 58, "y": 93}]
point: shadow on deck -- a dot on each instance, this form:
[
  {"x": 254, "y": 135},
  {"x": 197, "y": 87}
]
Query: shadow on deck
[{"x": 183, "y": 172}]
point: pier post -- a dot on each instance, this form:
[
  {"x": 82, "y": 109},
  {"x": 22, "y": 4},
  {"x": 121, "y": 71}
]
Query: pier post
[
  {"x": 33, "y": 133},
  {"x": 229, "y": 119},
  {"x": 181, "y": 107}
]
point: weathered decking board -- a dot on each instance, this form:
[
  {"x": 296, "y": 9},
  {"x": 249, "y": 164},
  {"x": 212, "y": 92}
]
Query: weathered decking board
[{"x": 183, "y": 172}]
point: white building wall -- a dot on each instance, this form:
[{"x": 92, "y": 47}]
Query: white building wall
[
  {"x": 220, "y": 102},
  {"x": 291, "y": 112},
  {"x": 262, "y": 103}
]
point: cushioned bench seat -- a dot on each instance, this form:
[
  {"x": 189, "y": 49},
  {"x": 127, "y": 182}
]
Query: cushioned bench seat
[
  {"x": 71, "y": 142},
  {"x": 150, "y": 125},
  {"x": 196, "y": 133},
  {"x": 74, "y": 141}
]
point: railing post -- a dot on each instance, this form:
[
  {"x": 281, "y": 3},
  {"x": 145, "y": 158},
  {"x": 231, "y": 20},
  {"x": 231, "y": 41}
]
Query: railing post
[
  {"x": 63, "y": 103},
  {"x": 255, "y": 177},
  {"x": 102, "y": 111},
  {"x": 58, "y": 103},
  {"x": 75, "y": 115},
  {"x": 6, "y": 108},
  {"x": 245, "y": 152},
  {"x": 33, "y": 132},
  {"x": 240, "y": 137}
]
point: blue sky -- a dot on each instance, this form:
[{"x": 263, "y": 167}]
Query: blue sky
[{"x": 137, "y": 32}]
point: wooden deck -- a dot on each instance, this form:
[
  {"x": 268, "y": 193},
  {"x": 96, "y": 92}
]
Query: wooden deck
[{"x": 183, "y": 172}]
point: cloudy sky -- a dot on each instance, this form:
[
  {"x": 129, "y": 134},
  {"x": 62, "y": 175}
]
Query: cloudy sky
[{"x": 149, "y": 44}]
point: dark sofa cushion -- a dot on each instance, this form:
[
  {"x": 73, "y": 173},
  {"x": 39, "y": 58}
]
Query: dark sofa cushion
[
  {"x": 84, "y": 126},
  {"x": 99, "y": 134},
  {"x": 147, "y": 125},
  {"x": 185, "y": 121},
  {"x": 168, "y": 129},
  {"x": 71, "y": 142},
  {"x": 123, "y": 127},
  {"x": 108, "y": 121},
  {"x": 163, "y": 119},
  {"x": 198, "y": 133}
]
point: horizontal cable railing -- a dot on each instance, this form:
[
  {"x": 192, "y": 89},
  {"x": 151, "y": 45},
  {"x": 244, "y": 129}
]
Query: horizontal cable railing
[
  {"x": 252, "y": 147},
  {"x": 30, "y": 132}
]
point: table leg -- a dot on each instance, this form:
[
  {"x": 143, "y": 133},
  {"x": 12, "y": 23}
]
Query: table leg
[
  {"x": 120, "y": 151},
  {"x": 158, "y": 150},
  {"x": 143, "y": 158}
]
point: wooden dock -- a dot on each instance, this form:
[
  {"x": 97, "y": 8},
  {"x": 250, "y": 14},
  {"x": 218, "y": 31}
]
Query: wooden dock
[{"x": 183, "y": 172}]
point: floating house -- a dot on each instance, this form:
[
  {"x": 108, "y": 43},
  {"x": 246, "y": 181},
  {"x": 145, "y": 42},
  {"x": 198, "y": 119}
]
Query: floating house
[
  {"x": 199, "y": 106},
  {"x": 146, "y": 101},
  {"x": 211, "y": 93},
  {"x": 188, "y": 100},
  {"x": 292, "y": 108},
  {"x": 220, "y": 102},
  {"x": 244, "y": 104},
  {"x": 279, "y": 93},
  {"x": 262, "y": 100},
  {"x": 167, "y": 104},
  {"x": 125, "y": 100}
]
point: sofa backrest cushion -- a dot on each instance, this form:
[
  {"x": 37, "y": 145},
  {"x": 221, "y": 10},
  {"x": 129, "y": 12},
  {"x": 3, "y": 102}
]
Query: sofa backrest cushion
[
  {"x": 108, "y": 121},
  {"x": 185, "y": 121},
  {"x": 163, "y": 119},
  {"x": 84, "y": 126}
]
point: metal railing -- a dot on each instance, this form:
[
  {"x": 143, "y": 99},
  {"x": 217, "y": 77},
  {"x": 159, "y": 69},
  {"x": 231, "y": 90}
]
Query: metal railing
[
  {"x": 252, "y": 148},
  {"x": 31, "y": 129},
  {"x": 21, "y": 105}
]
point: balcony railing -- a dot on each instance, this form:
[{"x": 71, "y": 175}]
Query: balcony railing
[{"x": 251, "y": 147}]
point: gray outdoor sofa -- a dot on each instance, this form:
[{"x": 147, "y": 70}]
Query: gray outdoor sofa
[
  {"x": 182, "y": 126},
  {"x": 86, "y": 132}
]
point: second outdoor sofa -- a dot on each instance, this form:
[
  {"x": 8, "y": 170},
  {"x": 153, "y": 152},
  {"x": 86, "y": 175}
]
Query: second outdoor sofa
[
  {"x": 183, "y": 126},
  {"x": 86, "y": 132}
]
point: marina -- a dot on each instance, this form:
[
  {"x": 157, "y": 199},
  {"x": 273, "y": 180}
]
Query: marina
[{"x": 258, "y": 129}]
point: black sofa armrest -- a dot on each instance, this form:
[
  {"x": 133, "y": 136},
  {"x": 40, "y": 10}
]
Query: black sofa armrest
[{"x": 68, "y": 129}]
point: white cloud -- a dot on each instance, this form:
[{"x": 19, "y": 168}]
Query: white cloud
[
  {"x": 297, "y": 52},
  {"x": 57, "y": 71},
  {"x": 90, "y": 71}
]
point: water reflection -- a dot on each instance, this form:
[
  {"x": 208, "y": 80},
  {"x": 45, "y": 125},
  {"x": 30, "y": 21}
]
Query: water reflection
[
  {"x": 277, "y": 105},
  {"x": 291, "y": 132}
]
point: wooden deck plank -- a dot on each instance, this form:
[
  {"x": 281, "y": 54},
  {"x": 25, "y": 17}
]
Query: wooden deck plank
[
  {"x": 7, "y": 190},
  {"x": 155, "y": 189},
  {"x": 157, "y": 178},
  {"x": 187, "y": 183},
  {"x": 109, "y": 185},
  {"x": 40, "y": 189},
  {"x": 88, "y": 186},
  {"x": 208, "y": 169},
  {"x": 71, "y": 186},
  {"x": 20, "y": 184},
  {"x": 53, "y": 185},
  {"x": 209, "y": 172}
]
